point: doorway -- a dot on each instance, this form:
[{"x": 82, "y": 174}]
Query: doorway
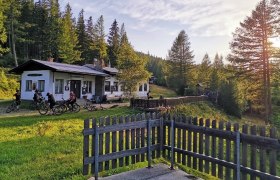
[{"x": 75, "y": 86}]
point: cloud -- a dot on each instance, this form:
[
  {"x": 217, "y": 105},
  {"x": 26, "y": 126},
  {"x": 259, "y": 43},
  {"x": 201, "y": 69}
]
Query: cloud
[{"x": 208, "y": 18}]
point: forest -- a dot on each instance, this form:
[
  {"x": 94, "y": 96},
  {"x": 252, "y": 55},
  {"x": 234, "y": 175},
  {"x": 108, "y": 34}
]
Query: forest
[{"x": 247, "y": 80}]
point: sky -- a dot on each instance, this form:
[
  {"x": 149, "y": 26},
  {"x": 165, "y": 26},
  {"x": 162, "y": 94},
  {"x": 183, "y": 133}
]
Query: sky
[{"x": 152, "y": 25}]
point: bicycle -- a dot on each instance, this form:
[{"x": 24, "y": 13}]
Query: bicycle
[
  {"x": 12, "y": 107},
  {"x": 44, "y": 108},
  {"x": 35, "y": 105},
  {"x": 65, "y": 106},
  {"x": 91, "y": 104}
]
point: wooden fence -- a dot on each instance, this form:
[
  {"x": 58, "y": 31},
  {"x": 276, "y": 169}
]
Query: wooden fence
[
  {"x": 153, "y": 103},
  {"x": 221, "y": 149}
]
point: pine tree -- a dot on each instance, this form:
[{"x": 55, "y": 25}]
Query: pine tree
[
  {"x": 205, "y": 70},
  {"x": 179, "y": 63},
  {"x": 113, "y": 43},
  {"x": 53, "y": 30},
  {"x": 99, "y": 45},
  {"x": 251, "y": 52},
  {"x": 26, "y": 39},
  {"x": 68, "y": 39},
  {"x": 90, "y": 37},
  {"x": 82, "y": 36}
]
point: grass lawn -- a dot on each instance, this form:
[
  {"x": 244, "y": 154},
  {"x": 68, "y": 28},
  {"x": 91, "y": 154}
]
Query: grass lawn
[
  {"x": 157, "y": 91},
  {"x": 45, "y": 147}
]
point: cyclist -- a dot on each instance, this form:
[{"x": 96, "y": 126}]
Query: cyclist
[
  {"x": 72, "y": 99},
  {"x": 17, "y": 95},
  {"x": 37, "y": 97},
  {"x": 51, "y": 100}
]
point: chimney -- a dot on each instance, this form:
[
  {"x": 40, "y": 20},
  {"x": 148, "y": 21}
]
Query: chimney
[{"x": 50, "y": 59}]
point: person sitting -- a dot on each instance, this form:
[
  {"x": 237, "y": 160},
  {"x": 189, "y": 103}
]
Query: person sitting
[
  {"x": 51, "y": 100},
  {"x": 37, "y": 97},
  {"x": 72, "y": 99},
  {"x": 17, "y": 96}
]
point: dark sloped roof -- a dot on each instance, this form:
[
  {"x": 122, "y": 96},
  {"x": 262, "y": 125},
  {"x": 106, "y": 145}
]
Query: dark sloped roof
[
  {"x": 109, "y": 70},
  {"x": 59, "y": 67}
]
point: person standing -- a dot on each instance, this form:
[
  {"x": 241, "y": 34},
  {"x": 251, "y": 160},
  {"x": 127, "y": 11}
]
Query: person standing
[
  {"x": 51, "y": 100},
  {"x": 17, "y": 96}
]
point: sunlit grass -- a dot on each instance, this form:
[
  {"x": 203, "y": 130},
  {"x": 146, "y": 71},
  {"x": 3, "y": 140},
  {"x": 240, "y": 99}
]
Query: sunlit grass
[{"x": 45, "y": 147}]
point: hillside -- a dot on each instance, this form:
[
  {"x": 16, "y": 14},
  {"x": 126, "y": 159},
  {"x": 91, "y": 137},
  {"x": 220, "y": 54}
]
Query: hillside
[{"x": 157, "y": 91}]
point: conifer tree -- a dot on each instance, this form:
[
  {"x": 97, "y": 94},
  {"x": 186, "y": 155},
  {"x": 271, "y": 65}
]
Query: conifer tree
[
  {"x": 113, "y": 43},
  {"x": 180, "y": 61},
  {"x": 205, "y": 70},
  {"x": 251, "y": 51},
  {"x": 90, "y": 37},
  {"x": 99, "y": 45},
  {"x": 68, "y": 39},
  {"x": 83, "y": 42}
]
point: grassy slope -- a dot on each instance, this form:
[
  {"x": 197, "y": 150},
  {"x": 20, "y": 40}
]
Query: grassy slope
[
  {"x": 156, "y": 91},
  {"x": 45, "y": 147}
]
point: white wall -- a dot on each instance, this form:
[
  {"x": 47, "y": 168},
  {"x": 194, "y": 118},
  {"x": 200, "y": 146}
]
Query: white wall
[
  {"x": 138, "y": 93},
  {"x": 69, "y": 77},
  {"x": 49, "y": 78},
  {"x": 28, "y": 95}
]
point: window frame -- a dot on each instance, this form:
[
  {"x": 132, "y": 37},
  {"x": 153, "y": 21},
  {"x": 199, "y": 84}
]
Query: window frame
[
  {"x": 145, "y": 88},
  {"x": 41, "y": 82},
  {"x": 106, "y": 86},
  {"x": 116, "y": 86},
  {"x": 88, "y": 85},
  {"x": 59, "y": 89},
  {"x": 140, "y": 89},
  {"x": 28, "y": 85}
]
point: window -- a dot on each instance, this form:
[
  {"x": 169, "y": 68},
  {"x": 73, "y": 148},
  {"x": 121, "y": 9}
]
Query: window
[
  {"x": 145, "y": 87},
  {"x": 116, "y": 86},
  {"x": 140, "y": 87},
  {"x": 59, "y": 86},
  {"x": 88, "y": 86},
  {"x": 41, "y": 85},
  {"x": 28, "y": 85},
  {"x": 107, "y": 86},
  {"x": 122, "y": 88}
]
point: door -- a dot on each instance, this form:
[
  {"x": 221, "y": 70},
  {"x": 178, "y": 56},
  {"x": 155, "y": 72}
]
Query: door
[{"x": 75, "y": 86}]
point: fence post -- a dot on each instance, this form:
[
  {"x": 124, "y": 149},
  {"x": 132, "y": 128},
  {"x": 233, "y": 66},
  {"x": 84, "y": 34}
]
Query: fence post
[
  {"x": 86, "y": 147},
  {"x": 172, "y": 143},
  {"x": 149, "y": 142},
  {"x": 161, "y": 136},
  {"x": 237, "y": 155},
  {"x": 96, "y": 168}
]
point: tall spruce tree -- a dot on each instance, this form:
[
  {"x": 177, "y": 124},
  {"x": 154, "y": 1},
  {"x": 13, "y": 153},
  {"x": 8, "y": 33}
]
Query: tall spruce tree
[
  {"x": 113, "y": 43},
  {"x": 205, "y": 70},
  {"x": 180, "y": 61},
  {"x": 82, "y": 36},
  {"x": 26, "y": 39},
  {"x": 99, "y": 45},
  {"x": 251, "y": 51},
  {"x": 90, "y": 37},
  {"x": 68, "y": 39}
]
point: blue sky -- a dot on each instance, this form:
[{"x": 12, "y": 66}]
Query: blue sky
[{"x": 152, "y": 25}]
